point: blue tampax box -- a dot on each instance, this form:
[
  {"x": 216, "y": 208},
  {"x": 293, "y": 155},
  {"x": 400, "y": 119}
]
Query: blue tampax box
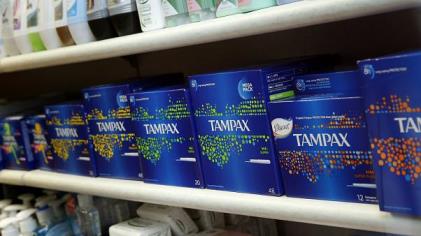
[
  {"x": 163, "y": 124},
  {"x": 39, "y": 143},
  {"x": 15, "y": 144},
  {"x": 393, "y": 109},
  {"x": 68, "y": 136}
]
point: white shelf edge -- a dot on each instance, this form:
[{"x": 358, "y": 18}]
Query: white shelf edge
[
  {"x": 338, "y": 214},
  {"x": 290, "y": 16}
]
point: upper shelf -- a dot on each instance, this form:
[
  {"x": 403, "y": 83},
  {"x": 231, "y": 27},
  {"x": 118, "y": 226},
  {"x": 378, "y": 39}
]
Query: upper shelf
[
  {"x": 290, "y": 16},
  {"x": 338, "y": 214}
]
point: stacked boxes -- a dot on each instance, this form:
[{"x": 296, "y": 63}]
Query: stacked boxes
[
  {"x": 393, "y": 109},
  {"x": 66, "y": 125},
  {"x": 165, "y": 138}
]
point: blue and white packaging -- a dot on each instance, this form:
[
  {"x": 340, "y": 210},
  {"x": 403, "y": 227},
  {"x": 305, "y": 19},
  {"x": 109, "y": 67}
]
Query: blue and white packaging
[
  {"x": 68, "y": 132},
  {"x": 164, "y": 129},
  {"x": 343, "y": 83},
  {"x": 323, "y": 149},
  {"x": 393, "y": 109},
  {"x": 108, "y": 115},
  {"x": 15, "y": 146},
  {"x": 233, "y": 128},
  {"x": 38, "y": 138}
]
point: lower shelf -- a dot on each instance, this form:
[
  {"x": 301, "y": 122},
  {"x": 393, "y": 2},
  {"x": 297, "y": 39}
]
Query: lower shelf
[{"x": 345, "y": 215}]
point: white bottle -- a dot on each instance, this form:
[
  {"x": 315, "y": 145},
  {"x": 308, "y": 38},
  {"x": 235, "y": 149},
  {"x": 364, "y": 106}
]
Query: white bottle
[
  {"x": 4, "y": 203},
  {"x": 151, "y": 14},
  {"x": 44, "y": 212},
  {"x": 48, "y": 30},
  {"x": 8, "y": 227},
  {"x": 12, "y": 210},
  {"x": 20, "y": 31},
  {"x": 27, "y": 223},
  {"x": 10, "y": 46},
  {"x": 26, "y": 199},
  {"x": 77, "y": 19},
  {"x": 88, "y": 216}
]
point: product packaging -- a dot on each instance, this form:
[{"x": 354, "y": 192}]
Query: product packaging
[
  {"x": 99, "y": 20},
  {"x": 227, "y": 7},
  {"x": 124, "y": 16},
  {"x": 20, "y": 30},
  {"x": 47, "y": 31},
  {"x": 200, "y": 10},
  {"x": 140, "y": 227},
  {"x": 40, "y": 146},
  {"x": 176, "y": 12},
  {"x": 111, "y": 132},
  {"x": 164, "y": 130},
  {"x": 77, "y": 21},
  {"x": 9, "y": 43},
  {"x": 393, "y": 110},
  {"x": 33, "y": 17},
  {"x": 15, "y": 146},
  {"x": 151, "y": 14},
  {"x": 179, "y": 221},
  {"x": 253, "y": 5},
  {"x": 68, "y": 132}
]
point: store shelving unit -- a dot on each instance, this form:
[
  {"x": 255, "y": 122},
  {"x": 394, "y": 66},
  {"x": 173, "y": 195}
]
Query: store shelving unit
[
  {"x": 290, "y": 16},
  {"x": 346, "y": 215}
]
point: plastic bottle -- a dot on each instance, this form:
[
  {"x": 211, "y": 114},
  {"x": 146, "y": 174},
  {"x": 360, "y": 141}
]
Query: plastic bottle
[
  {"x": 88, "y": 216},
  {"x": 8, "y": 227},
  {"x": 77, "y": 20},
  {"x": 9, "y": 43},
  {"x": 12, "y": 210},
  {"x": 27, "y": 223},
  {"x": 151, "y": 14},
  {"x": 48, "y": 30},
  {"x": 253, "y": 5},
  {"x": 200, "y": 10},
  {"x": 60, "y": 17},
  {"x": 124, "y": 17},
  {"x": 176, "y": 12},
  {"x": 33, "y": 18},
  {"x": 26, "y": 199},
  {"x": 57, "y": 207},
  {"x": 20, "y": 31},
  {"x": 44, "y": 212},
  {"x": 99, "y": 20},
  {"x": 70, "y": 208},
  {"x": 227, "y": 7},
  {"x": 4, "y": 203}
]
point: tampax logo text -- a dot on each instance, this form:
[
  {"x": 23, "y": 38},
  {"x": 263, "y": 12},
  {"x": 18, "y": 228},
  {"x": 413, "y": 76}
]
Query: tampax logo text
[
  {"x": 409, "y": 124},
  {"x": 111, "y": 126},
  {"x": 162, "y": 128},
  {"x": 66, "y": 133},
  {"x": 229, "y": 125},
  {"x": 322, "y": 139}
]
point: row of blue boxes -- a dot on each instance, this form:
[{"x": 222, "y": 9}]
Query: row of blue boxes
[{"x": 271, "y": 130}]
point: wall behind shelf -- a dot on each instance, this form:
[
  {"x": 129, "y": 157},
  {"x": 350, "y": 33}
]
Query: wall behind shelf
[{"x": 352, "y": 39}]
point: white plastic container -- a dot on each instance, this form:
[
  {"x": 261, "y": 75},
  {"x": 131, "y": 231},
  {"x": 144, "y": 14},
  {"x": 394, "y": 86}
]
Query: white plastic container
[
  {"x": 140, "y": 227},
  {"x": 77, "y": 20},
  {"x": 151, "y": 14},
  {"x": 27, "y": 223},
  {"x": 8, "y": 227},
  {"x": 26, "y": 199},
  {"x": 9, "y": 43},
  {"x": 179, "y": 221},
  {"x": 48, "y": 30},
  {"x": 207, "y": 220},
  {"x": 20, "y": 31}
]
